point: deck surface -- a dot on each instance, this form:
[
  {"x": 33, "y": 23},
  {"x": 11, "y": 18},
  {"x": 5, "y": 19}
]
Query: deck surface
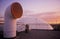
[{"x": 37, "y": 34}]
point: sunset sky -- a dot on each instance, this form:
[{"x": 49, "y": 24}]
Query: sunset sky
[{"x": 31, "y": 7}]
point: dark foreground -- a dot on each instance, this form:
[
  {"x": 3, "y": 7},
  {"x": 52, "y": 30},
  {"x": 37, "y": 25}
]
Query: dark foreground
[{"x": 37, "y": 34}]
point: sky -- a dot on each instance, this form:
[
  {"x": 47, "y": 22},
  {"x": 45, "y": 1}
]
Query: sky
[
  {"x": 39, "y": 6},
  {"x": 31, "y": 7}
]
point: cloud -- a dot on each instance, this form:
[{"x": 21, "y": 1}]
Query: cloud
[
  {"x": 50, "y": 17},
  {"x": 28, "y": 13}
]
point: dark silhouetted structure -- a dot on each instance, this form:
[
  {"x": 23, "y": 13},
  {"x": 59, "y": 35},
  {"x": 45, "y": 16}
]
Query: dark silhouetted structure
[{"x": 26, "y": 28}]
